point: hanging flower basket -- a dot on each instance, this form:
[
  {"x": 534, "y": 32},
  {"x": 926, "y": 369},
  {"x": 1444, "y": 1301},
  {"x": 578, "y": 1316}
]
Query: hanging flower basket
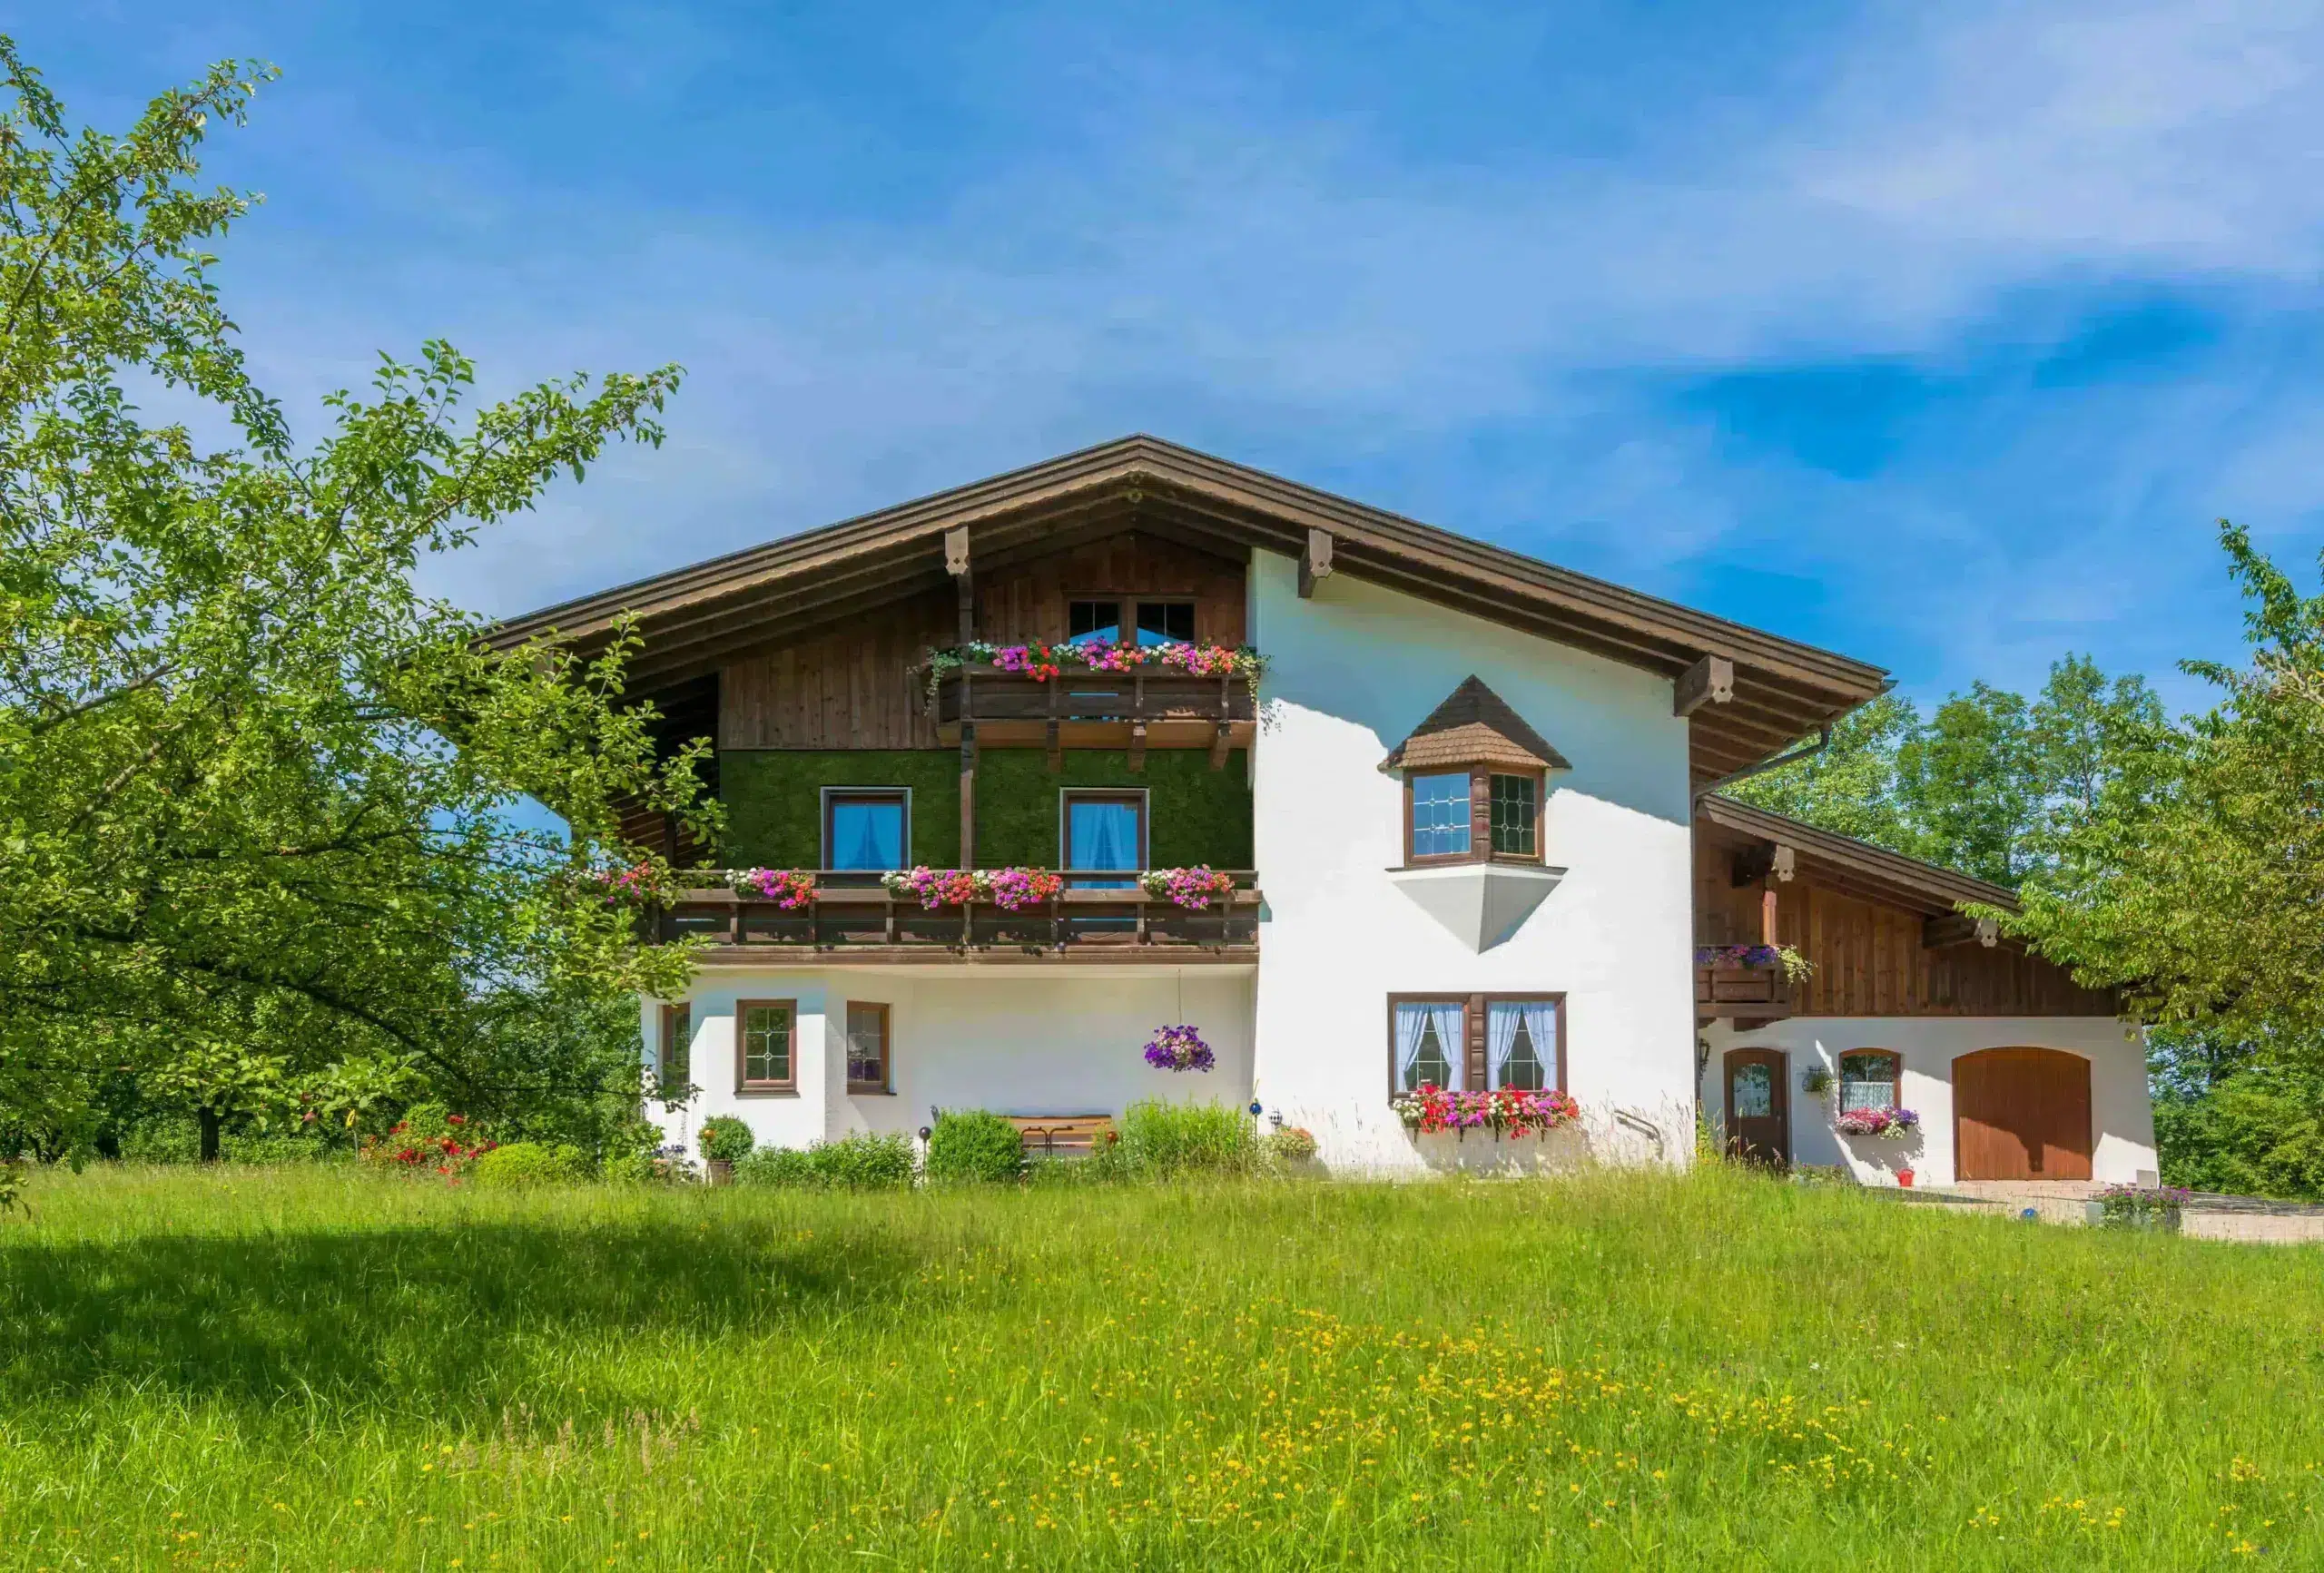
[
  {"x": 1194, "y": 888},
  {"x": 789, "y": 889},
  {"x": 1895, "y": 1123},
  {"x": 1178, "y": 1048},
  {"x": 1509, "y": 1112}
]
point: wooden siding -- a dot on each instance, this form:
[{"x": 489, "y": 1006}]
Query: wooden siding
[
  {"x": 1028, "y": 601},
  {"x": 853, "y": 686},
  {"x": 1869, "y": 957}
]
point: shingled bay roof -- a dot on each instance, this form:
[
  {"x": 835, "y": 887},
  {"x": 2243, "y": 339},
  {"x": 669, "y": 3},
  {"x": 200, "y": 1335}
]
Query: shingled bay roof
[
  {"x": 1474, "y": 725},
  {"x": 692, "y": 619}
]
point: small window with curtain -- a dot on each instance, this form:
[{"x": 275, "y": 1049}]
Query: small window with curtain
[
  {"x": 1870, "y": 1079},
  {"x": 674, "y": 1054},
  {"x": 867, "y": 1048},
  {"x": 1105, "y": 830},
  {"x": 868, "y": 829},
  {"x": 1428, "y": 1043},
  {"x": 1438, "y": 815},
  {"x": 1521, "y": 1045},
  {"x": 1516, "y": 816},
  {"x": 1166, "y": 622},
  {"x": 767, "y": 1047},
  {"x": 1097, "y": 620}
]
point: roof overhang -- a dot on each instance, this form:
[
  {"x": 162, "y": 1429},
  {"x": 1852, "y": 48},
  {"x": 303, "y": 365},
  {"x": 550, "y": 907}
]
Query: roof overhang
[
  {"x": 693, "y": 619},
  {"x": 1856, "y": 867}
]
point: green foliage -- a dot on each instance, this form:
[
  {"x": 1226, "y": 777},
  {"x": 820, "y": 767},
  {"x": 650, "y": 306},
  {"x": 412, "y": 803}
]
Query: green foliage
[
  {"x": 246, "y": 860},
  {"x": 725, "y": 1139},
  {"x": 1164, "y": 1141},
  {"x": 522, "y": 1163},
  {"x": 973, "y": 1145},
  {"x": 1195, "y": 814},
  {"x": 2255, "y": 1128},
  {"x": 773, "y": 802},
  {"x": 858, "y": 1162},
  {"x": 1291, "y": 1144}
]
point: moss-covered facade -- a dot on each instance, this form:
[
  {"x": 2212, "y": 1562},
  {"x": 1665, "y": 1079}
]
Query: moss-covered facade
[{"x": 773, "y": 802}]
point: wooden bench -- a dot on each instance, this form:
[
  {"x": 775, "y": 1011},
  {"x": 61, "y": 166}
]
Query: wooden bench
[{"x": 1061, "y": 1136}]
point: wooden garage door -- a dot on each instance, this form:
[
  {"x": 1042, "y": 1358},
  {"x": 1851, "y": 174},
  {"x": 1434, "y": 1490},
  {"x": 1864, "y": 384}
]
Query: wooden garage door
[{"x": 2021, "y": 1114}]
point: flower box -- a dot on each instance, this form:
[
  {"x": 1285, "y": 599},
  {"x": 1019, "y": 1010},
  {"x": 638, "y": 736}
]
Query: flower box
[{"x": 1508, "y": 1112}]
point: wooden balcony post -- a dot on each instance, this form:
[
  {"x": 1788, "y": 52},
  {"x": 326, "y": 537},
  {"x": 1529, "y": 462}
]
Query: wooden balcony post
[
  {"x": 968, "y": 782},
  {"x": 1138, "y": 721}
]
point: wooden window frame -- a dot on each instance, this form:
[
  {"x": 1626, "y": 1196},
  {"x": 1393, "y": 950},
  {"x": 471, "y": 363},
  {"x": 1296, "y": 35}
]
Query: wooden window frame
[
  {"x": 743, "y": 1087},
  {"x": 1068, "y": 796},
  {"x": 1473, "y": 1008},
  {"x": 1840, "y": 1076},
  {"x": 835, "y": 795},
  {"x": 886, "y": 1086},
  {"x": 1124, "y": 603},
  {"x": 676, "y": 1024},
  {"x": 1480, "y": 818}
]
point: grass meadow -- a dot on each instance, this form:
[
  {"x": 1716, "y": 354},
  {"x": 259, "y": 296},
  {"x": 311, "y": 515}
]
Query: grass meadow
[{"x": 324, "y": 1368}]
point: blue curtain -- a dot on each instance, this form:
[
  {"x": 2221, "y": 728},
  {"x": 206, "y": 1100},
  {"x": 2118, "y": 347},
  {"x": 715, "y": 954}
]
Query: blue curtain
[
  {"x": 867, "y": 835},
  {"x": 1101, "y": 835}
]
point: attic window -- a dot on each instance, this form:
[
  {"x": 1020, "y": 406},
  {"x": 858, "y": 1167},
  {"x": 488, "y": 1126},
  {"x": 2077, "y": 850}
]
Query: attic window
[{"x": 1475, "y": 776}]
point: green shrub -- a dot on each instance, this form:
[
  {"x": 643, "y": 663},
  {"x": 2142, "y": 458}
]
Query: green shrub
[
  {"x": 1164, "y": 1140},
  {"x": 725, "y": 1139},
  {"x": 856, "y": 1162},
  {"x": 172, "y": 1138},
  {"x": 521, "y": 1164},
  {"x": 972, "y": 1145}
]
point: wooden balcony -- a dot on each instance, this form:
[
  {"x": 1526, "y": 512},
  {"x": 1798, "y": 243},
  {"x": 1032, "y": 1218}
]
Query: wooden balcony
[
  {"x": 852, "y": 920},
  {"x": 1752, "y": 995},
  {"x": 1147, "y": 708}
]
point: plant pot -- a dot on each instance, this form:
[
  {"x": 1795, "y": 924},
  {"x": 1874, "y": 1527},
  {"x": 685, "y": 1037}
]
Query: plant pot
[
  {"x": 718, "y": 1172},
  {"x": 1905, "y": 1178}
]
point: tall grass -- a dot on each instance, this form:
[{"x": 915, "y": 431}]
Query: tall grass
[{"x": 322, "y": 1369}]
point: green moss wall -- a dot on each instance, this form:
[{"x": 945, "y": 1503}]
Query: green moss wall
[{"x": 773, "y": 802}]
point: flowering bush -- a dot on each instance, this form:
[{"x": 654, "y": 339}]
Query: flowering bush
[
  {"x": 1508, "y": 1111},
  {"x": 1178, "y": 1048},
  {"x": 789, "y": 889},
  {"x": 1292, "y": 1144},
  {"x": 1014, "y": 890},
  {"x": 2135, "y": 1206},
  {"x": 1043, "y": 663},
  {"x": 932, "y": 887},
  {"x": 639, "y": 885},
  {"x": 429, "y": 1138},
  {"x": 1877, "y": 1122},
  {"x": 1795, "y": 965},
  {"x": 1194, "y": 888}
]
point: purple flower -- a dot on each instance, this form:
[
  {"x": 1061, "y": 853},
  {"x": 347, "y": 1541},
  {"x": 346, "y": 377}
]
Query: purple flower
[{"x": 1178, "y": 1048}]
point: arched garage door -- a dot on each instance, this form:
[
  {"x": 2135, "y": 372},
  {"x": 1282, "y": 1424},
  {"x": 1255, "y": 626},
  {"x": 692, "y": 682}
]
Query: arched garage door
[{"x": 2021, "y": 1114}]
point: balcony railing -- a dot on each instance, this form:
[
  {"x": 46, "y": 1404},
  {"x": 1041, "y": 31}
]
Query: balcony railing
[
  {"x": 851, "y": 913},
  {"x": 1146, "y": 708},
  {"x": 1757, "y": 993}
]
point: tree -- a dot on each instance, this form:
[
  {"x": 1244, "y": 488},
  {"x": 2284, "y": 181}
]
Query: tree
[
  {"x": 1969, "y": 786},
  {"x": 258, "y": 796},
  {"x": 1851, "y": 787},
  {"x": 2195, "y": 884}
]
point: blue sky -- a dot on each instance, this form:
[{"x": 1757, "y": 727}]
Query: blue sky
[{"x": 1938, "y": 335}]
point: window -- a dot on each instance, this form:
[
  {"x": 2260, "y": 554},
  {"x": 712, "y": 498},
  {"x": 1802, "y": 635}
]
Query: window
[
  {"x": 1099, "y": 620},
  {"x": 1870, "y": 1079},
  {"x": 673, "y": 1056},
  {"x": 1166, "y": 622},
  {"x": 1516, "y": 814},
  {"x": 1429, "y": 1044},
  {"x": 1752, "y": 1087},
  {"x": 1440, "y": 815},
  {"x": 1476, "y": 1041},
  {"x": 867, "y": 1048},
  {"x": 1104, "y": 831},
  {"x": 766, "y": 1047},
  {"x": 867, "y": 829}
]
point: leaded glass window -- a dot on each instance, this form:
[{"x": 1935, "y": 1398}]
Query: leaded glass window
[
  {"x": 1516, "y": 815},
  {"x": 1441, "y": 815}
]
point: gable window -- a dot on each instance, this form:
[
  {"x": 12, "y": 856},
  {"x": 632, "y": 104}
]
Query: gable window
[
  {"x": 1429, "y": 1043},
  {"x": 766, "y": 1046},
  {"x": 1484, "y": 1042},
  {"x": 1166, "y": 622},
  {"x": 1516, "y": 816},
  {"x": 674, "y": 1054},
  {"x": 1870, "y": 1078},
  {"x": 867, "y": 1048},
  {"x": 1438, "y": 815},
  {"x": 869, "y": 828},
  {"x": 1103, "y": 830},
  {"x": 1097, "y": 620}
]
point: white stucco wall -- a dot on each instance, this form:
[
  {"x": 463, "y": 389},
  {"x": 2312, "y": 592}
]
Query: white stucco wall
[
  {"x": 2122, "y": 1116},
  {"x": 1350, "y": 673},
  {"x": 1015, "y": 1039}
]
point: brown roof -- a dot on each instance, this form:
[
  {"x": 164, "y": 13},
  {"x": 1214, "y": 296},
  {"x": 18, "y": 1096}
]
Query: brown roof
[
  {"x": 693, "y": 618},
  {"x": 1927, "y": 886},
  {"x": 1474, "y": 725}
]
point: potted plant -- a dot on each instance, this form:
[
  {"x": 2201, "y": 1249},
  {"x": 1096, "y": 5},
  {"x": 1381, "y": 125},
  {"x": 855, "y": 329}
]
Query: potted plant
[
  {"x": 1893, "y": 1124},
  {"x": 2157, "y": 1207},
  {"x": 1178, "y": 1048},
  {"x": 1817, "y": 1081},
  {"x": 724, "y": 1141}
]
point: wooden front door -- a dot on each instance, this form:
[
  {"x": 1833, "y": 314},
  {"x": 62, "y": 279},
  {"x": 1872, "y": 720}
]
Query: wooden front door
[
  {"x": 2021, "y": 1114},
  {"x": 1758, "y": 1106}
]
